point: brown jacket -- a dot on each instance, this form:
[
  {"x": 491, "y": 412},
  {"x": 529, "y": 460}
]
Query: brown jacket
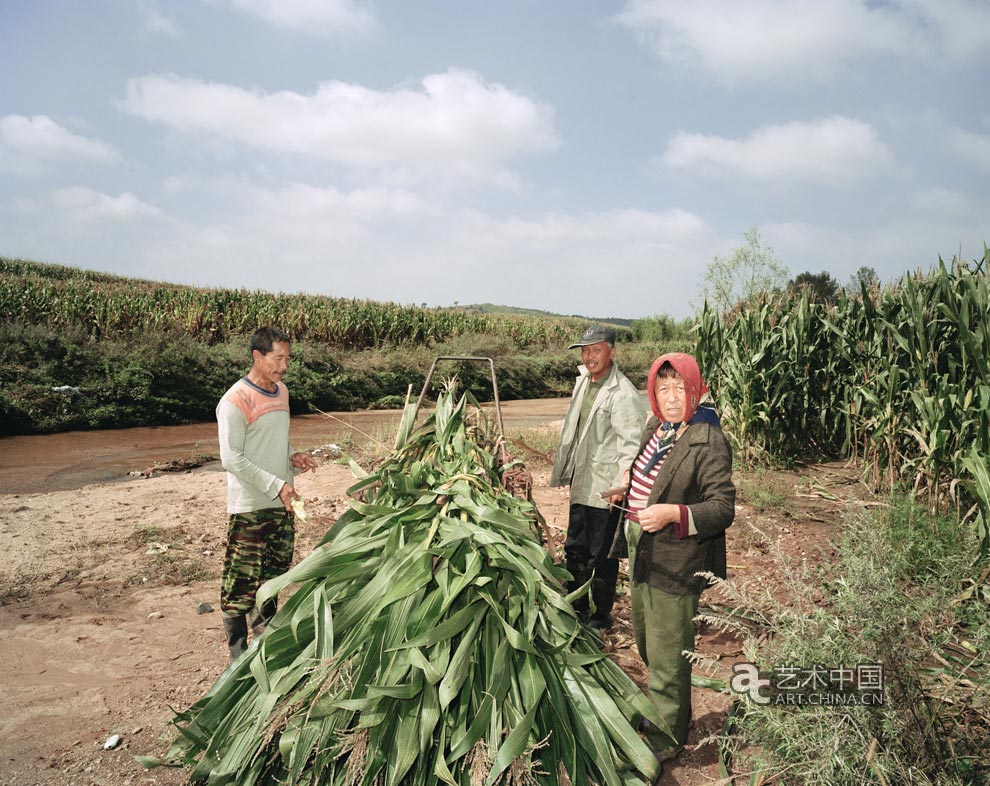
[{"x": 698, "y": 473}]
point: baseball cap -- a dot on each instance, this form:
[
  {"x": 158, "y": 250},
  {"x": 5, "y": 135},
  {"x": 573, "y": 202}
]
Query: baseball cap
[{"x": 593, "y": 335}]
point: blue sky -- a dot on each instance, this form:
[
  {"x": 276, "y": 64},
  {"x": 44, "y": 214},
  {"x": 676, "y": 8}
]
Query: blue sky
[{"x": 574, "y": 156}]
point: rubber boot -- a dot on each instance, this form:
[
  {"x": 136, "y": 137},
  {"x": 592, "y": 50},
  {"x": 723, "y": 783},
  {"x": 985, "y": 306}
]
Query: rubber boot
[
  {"x": 235, "y": 628},
  {"x": 581, "y": 575},
  {"x": 261, "y": 617},
  {"x": 603, "y": 594}
]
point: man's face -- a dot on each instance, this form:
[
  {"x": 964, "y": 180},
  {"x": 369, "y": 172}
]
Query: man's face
[
  {"x": 272, "y": 366},
  {"x": 597, "y": 358}
]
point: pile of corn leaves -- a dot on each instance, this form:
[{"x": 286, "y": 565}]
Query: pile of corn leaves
[{"x": 429, "y": 641}]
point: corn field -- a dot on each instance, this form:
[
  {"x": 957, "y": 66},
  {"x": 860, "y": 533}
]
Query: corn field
[
  {"x": 898, "y": 378},
  {"x": 108, "y": 306}
]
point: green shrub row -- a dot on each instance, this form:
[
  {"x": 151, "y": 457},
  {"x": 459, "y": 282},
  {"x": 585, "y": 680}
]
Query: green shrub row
[{"x": 63, "y": 380}]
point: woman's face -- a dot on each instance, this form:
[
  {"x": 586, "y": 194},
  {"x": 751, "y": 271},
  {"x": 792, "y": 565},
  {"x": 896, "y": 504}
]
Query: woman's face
[{"x": 671, "y": 398}]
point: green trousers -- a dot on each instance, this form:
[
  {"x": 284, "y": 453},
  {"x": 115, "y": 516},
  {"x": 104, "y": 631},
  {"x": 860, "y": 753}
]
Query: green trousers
[
  {"x": 663, "y": 625},
  {"x": 259, "y": 547}
]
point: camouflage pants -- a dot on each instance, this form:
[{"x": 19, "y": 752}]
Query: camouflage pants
[{"x": 259, "y": 548}]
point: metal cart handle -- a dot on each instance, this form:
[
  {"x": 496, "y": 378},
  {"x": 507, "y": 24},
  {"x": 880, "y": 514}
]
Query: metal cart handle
[{"x": 498, "y": 406}]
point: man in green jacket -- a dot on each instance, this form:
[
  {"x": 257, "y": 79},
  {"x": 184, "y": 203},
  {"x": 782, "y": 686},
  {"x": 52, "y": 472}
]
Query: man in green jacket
[{"x": 599, "y": 441}]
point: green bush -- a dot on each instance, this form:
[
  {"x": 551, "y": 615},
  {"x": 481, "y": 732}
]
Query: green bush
[
  {"x": 904, "y": 594},
  {"x": 64, "y": 380}
]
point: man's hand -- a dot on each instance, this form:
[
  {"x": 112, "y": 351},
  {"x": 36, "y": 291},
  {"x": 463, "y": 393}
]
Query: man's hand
[
  {"x": 656, "y": 517},
  {"x": 287, "y": 493},
  {"x": 303, "y": 462},
  {"x": 619, "y": 491}
]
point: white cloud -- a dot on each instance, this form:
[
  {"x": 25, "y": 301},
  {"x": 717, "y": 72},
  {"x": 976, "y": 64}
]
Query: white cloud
[
  {"x": 604, "y": 230},
  {"x": 455, "y": 121},
  {"x": 831, "y": 151},
  {"x": 382, "y": 244},
  {"x": 970, "y": 147},
  {"x": 320, "y": 17},
  {"x": 943, "y": 201},
  {"x": 298, "y": 214},
  {"x": 157, "y": 23},
  {"x": 959, "y": 30},
  {"x": 394, "y": 246},
  {"x": 30, "y": 145},
  {"x": 78, "y": 203},
  {"x": 763, "y": 40}
]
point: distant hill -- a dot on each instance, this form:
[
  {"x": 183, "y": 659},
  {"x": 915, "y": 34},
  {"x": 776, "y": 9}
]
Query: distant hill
[{"x": 492, "y": 308}]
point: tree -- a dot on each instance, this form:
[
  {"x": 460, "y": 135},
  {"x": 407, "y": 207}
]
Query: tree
[
  {"x": 661, "y": 327},
  {"x": 823, "y": 287},
  {"x": 864, "y": 277},
  {"x": 741, "y": 278}
]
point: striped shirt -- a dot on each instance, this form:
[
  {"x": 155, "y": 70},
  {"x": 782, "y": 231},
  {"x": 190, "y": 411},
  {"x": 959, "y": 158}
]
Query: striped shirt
[{"x": 643, "y": 475}]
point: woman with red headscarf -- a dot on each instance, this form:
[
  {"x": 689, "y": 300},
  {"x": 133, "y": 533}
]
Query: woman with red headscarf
[{"x": 680, "y": 501}]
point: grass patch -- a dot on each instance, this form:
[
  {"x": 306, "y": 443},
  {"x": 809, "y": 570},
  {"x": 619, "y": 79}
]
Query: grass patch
[
  {"x": 366, "y": 447},
  {"x": 534, "y": 446},
  {"x": 17, "y": 588},
  {"x": 766, "y": 492},
  {"x": 169, "y": 560},
  {"x": 905, "y": 595}
]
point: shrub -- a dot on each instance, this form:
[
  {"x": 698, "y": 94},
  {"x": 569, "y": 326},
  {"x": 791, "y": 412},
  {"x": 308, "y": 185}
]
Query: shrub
[{"x": 898, "y": 597}]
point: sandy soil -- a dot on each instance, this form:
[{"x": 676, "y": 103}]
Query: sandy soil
[{"x": 99, "y": 589}]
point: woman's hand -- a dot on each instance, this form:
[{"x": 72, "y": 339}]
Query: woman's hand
[{"x": 656, "y": 517}]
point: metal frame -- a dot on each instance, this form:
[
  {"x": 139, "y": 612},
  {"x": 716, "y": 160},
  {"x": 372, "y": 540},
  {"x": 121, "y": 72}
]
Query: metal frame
[{"x": 498, "y": 406}]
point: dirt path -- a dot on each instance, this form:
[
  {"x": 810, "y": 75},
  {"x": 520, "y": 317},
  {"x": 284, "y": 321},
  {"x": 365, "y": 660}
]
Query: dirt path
[{"x": 99, "y": 627}]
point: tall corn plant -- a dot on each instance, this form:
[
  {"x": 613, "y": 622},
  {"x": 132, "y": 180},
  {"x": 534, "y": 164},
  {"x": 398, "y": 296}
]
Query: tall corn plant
[
  {"x": 429, "y": 641},
  {"x": 778, "y": 376},
  {"x": 898, "y": 378}
]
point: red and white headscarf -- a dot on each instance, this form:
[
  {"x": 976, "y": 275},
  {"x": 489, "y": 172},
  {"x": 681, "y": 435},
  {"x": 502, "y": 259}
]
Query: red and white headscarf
[{"x": 694, "y": 385}]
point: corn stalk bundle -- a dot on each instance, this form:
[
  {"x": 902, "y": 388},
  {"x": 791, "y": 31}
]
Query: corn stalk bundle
[{"x": 429, "y": 641}]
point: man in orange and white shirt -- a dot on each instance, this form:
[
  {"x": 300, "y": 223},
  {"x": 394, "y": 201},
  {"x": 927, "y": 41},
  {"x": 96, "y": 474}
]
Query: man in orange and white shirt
[{"x": 253, "y": 421}]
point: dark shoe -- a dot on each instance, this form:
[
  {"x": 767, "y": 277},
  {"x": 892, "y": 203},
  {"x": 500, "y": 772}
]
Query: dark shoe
[
  {"x": 600, "y": 623},
  {"x": 603, "y": 596},
  {"x": 261, "y": 617},
  {"x": 235, "y": 629},
  {"x": 581, "y": 575},
  {"x": 666, "y": 751}
]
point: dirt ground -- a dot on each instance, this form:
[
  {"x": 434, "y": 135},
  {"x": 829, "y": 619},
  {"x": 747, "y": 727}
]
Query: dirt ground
[{"x": 101, "y": 635}]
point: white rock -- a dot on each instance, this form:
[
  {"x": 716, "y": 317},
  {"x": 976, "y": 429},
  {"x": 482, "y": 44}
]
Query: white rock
[{"x": 112, "y": 742}]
